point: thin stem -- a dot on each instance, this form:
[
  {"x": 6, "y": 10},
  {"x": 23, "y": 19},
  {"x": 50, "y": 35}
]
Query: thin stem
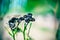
[
  {"x": 13, "y": 35},
  {"x": 17, "y": 24},
  {"x": 24, "y": 35},
  {"x": 25, "y": 26},
  {"x": 29, "y": 29}
]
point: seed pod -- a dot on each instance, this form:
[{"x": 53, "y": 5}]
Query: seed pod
[
  {"x": 25, "y": 16},
  {"x": 27, "y": 20},
  {"x": 12, "y": 22},
  {"x": 20, "y": 19},
  {"x": 30, "y": 15},
  {"x": 32, "y": 19}
]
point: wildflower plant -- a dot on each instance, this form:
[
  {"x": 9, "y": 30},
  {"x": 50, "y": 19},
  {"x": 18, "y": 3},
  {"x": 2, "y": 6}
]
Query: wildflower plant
[{"x": 14, "y": 24}]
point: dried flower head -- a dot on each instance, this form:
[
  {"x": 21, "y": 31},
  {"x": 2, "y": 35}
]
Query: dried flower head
[{"x": 12, "y": 22}]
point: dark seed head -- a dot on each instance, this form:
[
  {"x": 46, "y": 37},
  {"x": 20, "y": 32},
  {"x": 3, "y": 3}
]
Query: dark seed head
[
  {"x": 25, "y": 16},
  {"x": 12, "y": 22},
  {"x": 12, "y": 25},
  {"x": 14, "y": 19},
  {"x": 20, "y": 19},
  {"x": 27, "y": 20},
  {"x": 33, "y": 19},
  {"x": 30, "y": 14}
]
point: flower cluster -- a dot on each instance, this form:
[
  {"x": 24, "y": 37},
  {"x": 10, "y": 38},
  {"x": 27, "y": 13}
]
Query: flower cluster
[
  {"x": 14, "y": 23},
  {"x": 27, "y": 19}
]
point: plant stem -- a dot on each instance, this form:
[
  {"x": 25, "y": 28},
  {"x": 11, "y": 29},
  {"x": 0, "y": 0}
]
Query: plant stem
[
  {"x": 24, "y": 35},
  {"x": 13, "y": 37},
  {"x": 15, "y": 33},
  {"x": 25, "y": 26},
  {"x": 29, "y": 29}
]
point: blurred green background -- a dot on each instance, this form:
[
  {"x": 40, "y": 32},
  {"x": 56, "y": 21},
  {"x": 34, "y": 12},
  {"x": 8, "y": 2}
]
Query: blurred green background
[{"x": 28, "y": 6}]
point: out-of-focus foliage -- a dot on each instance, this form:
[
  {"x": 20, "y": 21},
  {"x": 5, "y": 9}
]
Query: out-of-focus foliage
[
  {"x": 29, "y": 5},
  {"x": 58, "y": 33},
  {"x": 33, "y": 3},
  {"x": 4, "y": 7},
  {"x": 58, "y": 12}
]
